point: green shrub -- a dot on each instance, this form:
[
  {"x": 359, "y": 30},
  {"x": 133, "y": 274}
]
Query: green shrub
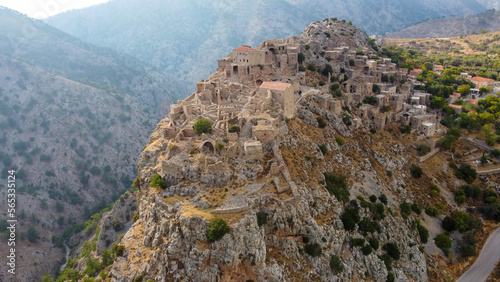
[
  {"x": 202, "y": 126},
  {"x": 349, "y": 218},
  {"x": 416, "y": 208},
  {"x": 495, "y": 153},
  {"x": 234, "y": 128},
  {"x": 366, "y": 225},
  {"x": 366, "y": 250},
  {"x": 467, "y": 250},
  {"x": 432, "y": 211},
  {"x": 472, "y": 191},
  {"x": 217, "y": 229},
  {"x": 383, "y": 199},
  {"x": 449, "y": 224},
  {"x": 443, "y": 241},
  {"x": 357, "y": 242},
  {"x": 416, "y": 171},
  {"x": 32, "y": 235},
  {"x": 392, "y": 250},
  {"x": 372, "y": 100},
  {"x": 323, "y": 148},
  {"x": 466, "y": 172},
  {"x": 423, "y": 233},
  {"x": 405, "y": 209},
  {"x": 373, "y": 198},
  {"x": 311, "y": 67},
  {"x": 156, "y": 181},
  {"x": 435, "y": 190},
  {"x": 302, "y": 68},
  {"x": 460, "y": 196},
  {"x": 423, "y": 149},
  {"x": 337, "y": 186},
  {"x": 321, "y": 122},
  {"x": 387, "y": 259},
  {"x": 336, "y": 264},
  {"x": 339, "y": 140},
  {"x": 219, "y": 146},
  {"x": 406, "y": 129},
  {"x": 261, "y": 218},
  {"x": 119, "y": 249},
  {"x": 374, "y": 243},
  {"x": 117, "y": 226},
  {"x": 313, "y": 249},
  {"x": 390, "y": 277}
]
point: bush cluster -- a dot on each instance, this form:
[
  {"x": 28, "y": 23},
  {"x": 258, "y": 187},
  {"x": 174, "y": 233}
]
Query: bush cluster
[{"x": 217, "y": 229}]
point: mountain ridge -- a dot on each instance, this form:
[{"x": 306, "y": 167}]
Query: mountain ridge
[{"x": 451, "y": 27}]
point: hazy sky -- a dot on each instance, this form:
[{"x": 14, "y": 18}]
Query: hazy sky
[{"x": 40, "y": 9}]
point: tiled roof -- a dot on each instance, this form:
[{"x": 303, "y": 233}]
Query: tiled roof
[
  {"x": 245, "y": 48},
  {"x": 275, "y": 85},
  {"x": 455, "y": 106},
  {"x": 482, "y": 79}
]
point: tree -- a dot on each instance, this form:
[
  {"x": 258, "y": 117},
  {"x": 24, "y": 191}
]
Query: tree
[
  {"x": 464, "y": 90},
  {"x": 443, "y": 241},
  {"x": 392, "y": 250},
  {"x": 202, "y": 126},
  {"x": 32, "y": 235},
  {"x": 438, "y": 103},
  {"x": 107, "y": 257},
  {"x": 156, "y": 181},
  {"x": 336, "y": 264},
  {"x": 466, "y": 172},
  {"x": 217, "y": 229},
  {"x": 47, "y": 278},
  {"x": 449, "y": 224},
  {"x": 416, "y": 171},
  {"x": 313, "y": 249}
]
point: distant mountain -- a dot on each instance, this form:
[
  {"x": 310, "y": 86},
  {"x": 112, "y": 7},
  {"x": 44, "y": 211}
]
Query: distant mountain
[
  {"x": 185, "y": 38},
  {"x": 490, "y": 4},
  {"x": 450, "y": 27},
  {"x": 381, "y": 16},
  {"x": 48, "y": 48},
  {"x": 73, "y": 120}
]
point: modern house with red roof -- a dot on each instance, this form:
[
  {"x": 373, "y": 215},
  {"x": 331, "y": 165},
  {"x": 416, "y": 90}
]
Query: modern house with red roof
[{"x": 482, "y": 82}]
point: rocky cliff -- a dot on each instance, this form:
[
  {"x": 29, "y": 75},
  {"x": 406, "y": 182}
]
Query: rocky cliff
[{"x": 269, "y": 189}]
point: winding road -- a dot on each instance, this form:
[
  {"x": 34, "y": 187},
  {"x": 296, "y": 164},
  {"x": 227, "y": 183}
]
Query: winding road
[{"x": 487, "y": 260}]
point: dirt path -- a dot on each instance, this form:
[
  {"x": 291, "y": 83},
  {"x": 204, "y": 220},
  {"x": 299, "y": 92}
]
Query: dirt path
[{"x": 487, "y": 260}]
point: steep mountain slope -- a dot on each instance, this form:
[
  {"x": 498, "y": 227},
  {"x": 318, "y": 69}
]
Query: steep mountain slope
[
  {"x": 185, "y": 38},
  {"x": 73, "y": 120},
  {"x": 450, "y": 27}
]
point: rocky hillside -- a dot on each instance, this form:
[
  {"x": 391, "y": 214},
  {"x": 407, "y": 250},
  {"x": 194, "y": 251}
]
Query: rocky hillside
[
  {"x": 73, "y": 119},
  {"x": 185, "y": 38},
  {"x": 451, "y": 27},
  {"x": 480, "y": 44},
  {"x": 261, "y": 175}
]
